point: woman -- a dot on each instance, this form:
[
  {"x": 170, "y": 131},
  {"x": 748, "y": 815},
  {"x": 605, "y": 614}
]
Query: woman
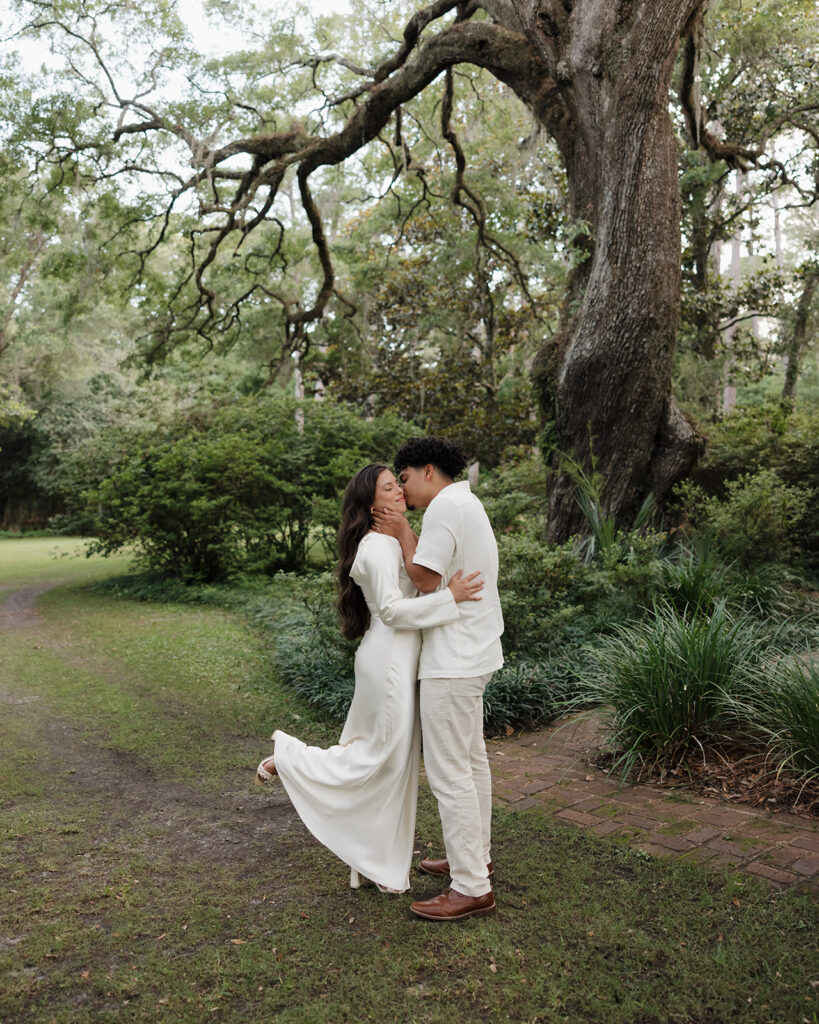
[{"x": 359, "y": 797}]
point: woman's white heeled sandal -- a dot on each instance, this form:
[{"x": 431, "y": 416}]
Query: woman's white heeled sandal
[{"x": 355, "y": 883}]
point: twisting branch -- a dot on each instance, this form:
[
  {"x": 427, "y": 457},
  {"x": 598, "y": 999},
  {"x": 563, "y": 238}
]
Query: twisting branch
[
  {"x": 415, "y": 26},
  {"x": 741, "y": 158},
  {"x": 234, "y": 200},
  {"x": 320, "y": 242},
  {"x": 464, "y": 196}
]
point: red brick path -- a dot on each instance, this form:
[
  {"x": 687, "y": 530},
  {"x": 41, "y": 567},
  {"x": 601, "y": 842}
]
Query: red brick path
[{"x": 551, "y": 769}]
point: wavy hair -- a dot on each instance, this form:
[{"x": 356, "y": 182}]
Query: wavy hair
[
  {"x": 420, "y": 451},
  {"x": 359, "y": 496}
]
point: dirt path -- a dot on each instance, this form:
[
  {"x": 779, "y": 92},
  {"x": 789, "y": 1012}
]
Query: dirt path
[{"x": 18, "y": 609}]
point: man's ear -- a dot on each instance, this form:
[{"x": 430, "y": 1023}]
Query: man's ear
[{"x": 429, "y": 469}]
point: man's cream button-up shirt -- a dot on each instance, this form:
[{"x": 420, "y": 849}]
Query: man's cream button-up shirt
[{"x": 456, "y": 534}]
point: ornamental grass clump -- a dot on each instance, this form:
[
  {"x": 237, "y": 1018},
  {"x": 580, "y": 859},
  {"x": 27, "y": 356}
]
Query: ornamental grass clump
[
  {"x": 664, "y": 682},
  {"x": 781, "y": 704},
  {"x": 694, "y": 581}
]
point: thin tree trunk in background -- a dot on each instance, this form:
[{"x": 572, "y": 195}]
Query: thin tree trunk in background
[
  {"x": 298, "y": 392},
  {"x": 729, "y": 391},
  {"x": 778, "y": 252},
  {"x": 798, "y": 341}
]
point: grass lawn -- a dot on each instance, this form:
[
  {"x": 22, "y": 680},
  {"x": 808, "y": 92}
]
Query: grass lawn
[
  {"x": 26, "y": 560},
  {"x": 146, "y": 879}
]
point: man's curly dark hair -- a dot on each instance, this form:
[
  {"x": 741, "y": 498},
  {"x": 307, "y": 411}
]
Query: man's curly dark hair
[{"x": 422, "y": 451}]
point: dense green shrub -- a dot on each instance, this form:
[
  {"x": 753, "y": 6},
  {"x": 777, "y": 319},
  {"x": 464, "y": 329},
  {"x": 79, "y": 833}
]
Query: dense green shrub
[
  {"x": 321, "y": 675},
  {"x": 774, "y": 437},
  {"x": 693, "y": 581},
  {"x": 542, "y": 588},
  {"x": 530, "y": 691},
  {"x": 234, "y": 488},
  {"x": 514, "y": 495},
  {"x": 757, "y": 520}
]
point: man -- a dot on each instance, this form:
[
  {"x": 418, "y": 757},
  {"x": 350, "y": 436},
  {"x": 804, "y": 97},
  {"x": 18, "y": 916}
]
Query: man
[{"x": 457, "y": 661}]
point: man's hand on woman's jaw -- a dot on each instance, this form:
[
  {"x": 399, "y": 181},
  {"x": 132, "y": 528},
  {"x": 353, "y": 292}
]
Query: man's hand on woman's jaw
[{"x": 387, "y": 520}]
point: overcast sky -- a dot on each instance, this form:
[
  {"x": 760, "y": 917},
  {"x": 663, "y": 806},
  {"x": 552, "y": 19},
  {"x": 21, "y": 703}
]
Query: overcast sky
[
  {"x": 217, "y": 40},
  {"x": 213, "y": 40}
]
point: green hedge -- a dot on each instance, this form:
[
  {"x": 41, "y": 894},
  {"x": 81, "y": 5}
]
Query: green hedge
[
  {"x": 230, "y": 489},
  {"x": 757, "y": 487}
]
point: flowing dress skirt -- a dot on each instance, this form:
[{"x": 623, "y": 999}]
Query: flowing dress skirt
[{"x": 359, "y": 797}]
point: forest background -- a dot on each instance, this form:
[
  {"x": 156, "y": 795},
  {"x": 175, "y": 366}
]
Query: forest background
[{"x": 210, "y": 316}]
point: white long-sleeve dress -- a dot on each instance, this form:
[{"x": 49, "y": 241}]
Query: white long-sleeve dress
[{"x": 359, "y": 797}]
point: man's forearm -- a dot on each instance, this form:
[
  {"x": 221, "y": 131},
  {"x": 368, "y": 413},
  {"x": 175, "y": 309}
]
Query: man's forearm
[
  {"x": 393, "y": 525},
  {"x": 426, "y": 580},
  {"x": 409, "y": 542}
]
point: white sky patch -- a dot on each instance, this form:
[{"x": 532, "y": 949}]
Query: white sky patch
[
  {"x": 212, "y": 37},
  {"x": 215, "y": 38}
]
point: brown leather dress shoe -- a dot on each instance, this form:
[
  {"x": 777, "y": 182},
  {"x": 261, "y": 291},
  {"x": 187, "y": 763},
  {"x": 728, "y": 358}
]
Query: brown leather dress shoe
[
  {"x": 440, "y": 868},
  {"x": 454, "y": 906}
]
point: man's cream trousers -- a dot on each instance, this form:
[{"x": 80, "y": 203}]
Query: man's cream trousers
[{"x": 458, "y": 771}]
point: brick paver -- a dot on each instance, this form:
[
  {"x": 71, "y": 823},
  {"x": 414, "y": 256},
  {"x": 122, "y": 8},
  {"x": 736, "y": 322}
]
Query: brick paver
[{"x": 553, "y": 769}]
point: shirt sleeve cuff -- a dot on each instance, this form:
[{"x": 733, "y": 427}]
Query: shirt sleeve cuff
[{"x": 427, "y": 563}]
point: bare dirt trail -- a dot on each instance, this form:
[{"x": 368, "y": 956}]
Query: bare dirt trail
[{"x": 19, "y": 608}]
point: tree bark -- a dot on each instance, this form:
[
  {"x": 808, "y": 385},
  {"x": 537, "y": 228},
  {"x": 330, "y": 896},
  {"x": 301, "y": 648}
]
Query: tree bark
[{"x": 604, "y": 380}]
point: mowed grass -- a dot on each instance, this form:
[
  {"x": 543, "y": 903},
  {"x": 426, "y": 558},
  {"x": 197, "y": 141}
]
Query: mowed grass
[
  {"x": 145, "y": 879},
  {"x": 172, "y": 685},
  {"x": 25, "y": 560}
]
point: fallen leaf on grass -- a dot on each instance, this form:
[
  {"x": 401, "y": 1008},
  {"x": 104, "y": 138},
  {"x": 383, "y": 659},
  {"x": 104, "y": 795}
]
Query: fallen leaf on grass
[{"x": 238, "y": 942}]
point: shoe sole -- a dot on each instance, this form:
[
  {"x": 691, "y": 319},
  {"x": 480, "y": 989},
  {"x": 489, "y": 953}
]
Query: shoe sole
[{"x": 458, "y": 917}]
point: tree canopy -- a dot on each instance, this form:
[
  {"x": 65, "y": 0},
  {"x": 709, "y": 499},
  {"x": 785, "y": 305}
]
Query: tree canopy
[{"x": 338, "y": 185}]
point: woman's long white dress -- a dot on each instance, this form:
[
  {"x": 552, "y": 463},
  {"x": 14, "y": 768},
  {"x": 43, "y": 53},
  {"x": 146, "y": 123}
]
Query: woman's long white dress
[{"x": 359, "y": 797}]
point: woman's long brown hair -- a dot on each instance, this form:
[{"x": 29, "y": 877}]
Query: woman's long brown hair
[{"x": 355, "y": 522}]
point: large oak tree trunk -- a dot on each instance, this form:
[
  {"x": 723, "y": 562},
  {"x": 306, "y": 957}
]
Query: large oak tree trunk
[{"x": 604, "y": 379}]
